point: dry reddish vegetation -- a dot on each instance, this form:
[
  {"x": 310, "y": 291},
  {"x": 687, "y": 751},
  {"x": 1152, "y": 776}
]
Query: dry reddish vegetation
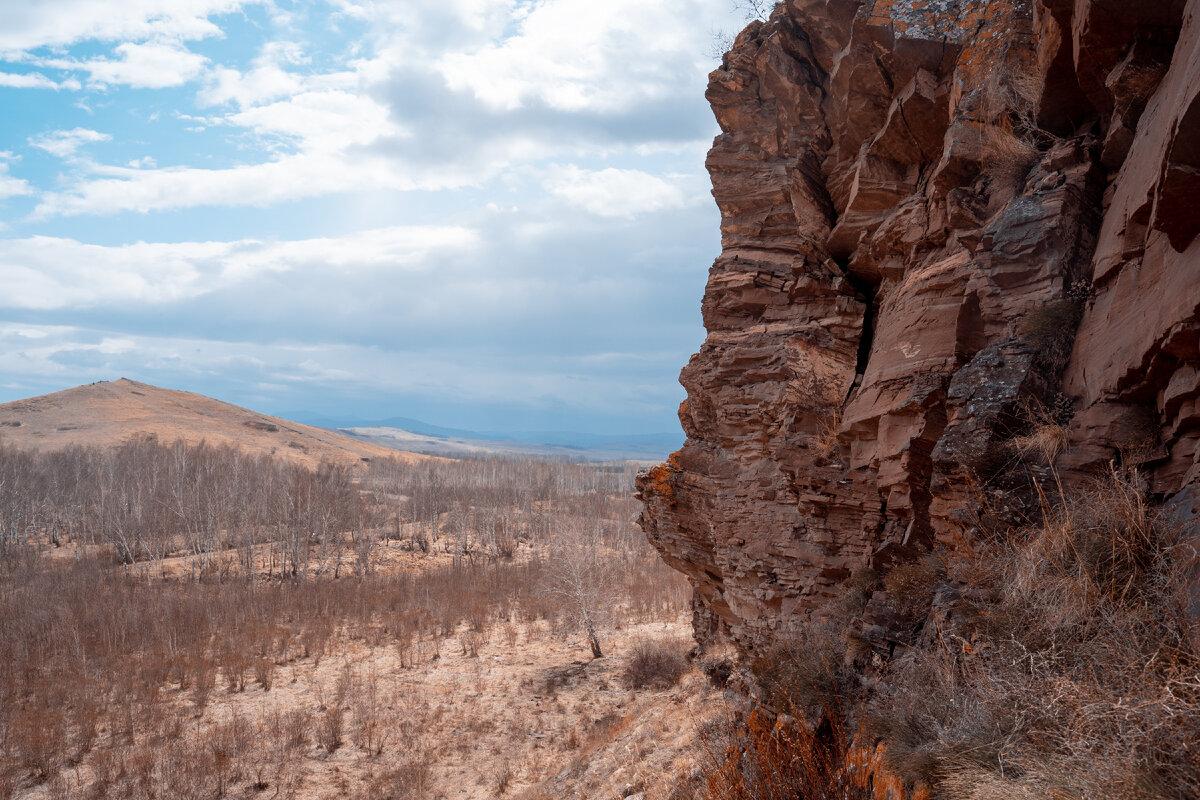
[
  {"x": 186, "y": 622},
  {"x": 1056, "y": 659}
]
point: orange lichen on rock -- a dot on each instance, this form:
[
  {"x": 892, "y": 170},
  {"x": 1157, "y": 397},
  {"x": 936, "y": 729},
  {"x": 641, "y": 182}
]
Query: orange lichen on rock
[
  {"x": 867, "y": 769},
  {"x": 656, "y": 481}
]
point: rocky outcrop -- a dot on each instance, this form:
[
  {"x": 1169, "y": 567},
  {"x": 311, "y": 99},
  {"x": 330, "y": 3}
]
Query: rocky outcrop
[{"x": 942, "y": 223}]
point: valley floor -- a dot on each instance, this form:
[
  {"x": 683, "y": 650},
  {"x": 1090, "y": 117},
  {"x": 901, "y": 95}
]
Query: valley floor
[{"x": 515, "y": 711}]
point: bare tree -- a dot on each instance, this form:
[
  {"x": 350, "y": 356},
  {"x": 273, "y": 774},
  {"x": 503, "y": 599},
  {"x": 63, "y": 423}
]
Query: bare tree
[
  {"x": 755, "y": 9},
  {"x": 577, "y": 581}
]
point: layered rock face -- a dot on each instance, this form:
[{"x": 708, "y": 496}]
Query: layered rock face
[{"x": 942, "y": 223}]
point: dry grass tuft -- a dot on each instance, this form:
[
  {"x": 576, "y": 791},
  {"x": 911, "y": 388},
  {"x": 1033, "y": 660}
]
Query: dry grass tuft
[{"x": 1044, "y": 442}]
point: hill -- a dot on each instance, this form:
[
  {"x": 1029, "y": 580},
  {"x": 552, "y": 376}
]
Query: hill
[{"x": 110, "y": 412}]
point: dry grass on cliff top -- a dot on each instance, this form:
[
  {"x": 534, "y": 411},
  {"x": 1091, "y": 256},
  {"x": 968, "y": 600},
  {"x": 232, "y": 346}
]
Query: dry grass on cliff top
[{"x": 1070, "y": 671}]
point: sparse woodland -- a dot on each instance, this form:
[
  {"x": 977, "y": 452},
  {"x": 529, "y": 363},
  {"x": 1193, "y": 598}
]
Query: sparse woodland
[{"x": 190, "y": 622}]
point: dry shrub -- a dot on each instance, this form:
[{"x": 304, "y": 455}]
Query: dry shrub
[
  {"x": 471, "y": 641},
  {"x": 264, "y": 672},
  {"x": 857, "y": 593},
  {"x": 40, "y": 737},
  {"x": 807, "y": 672},
  {"x": 1050, "y": 330},
  {"x": 1005, "y": 109},
  {"x": 1009, "y": 155},
  {"x": 825, "y": 442},
  {"x": 329, "y": 729},
  {"x": 370, "y": 716},
  {"x": 227, "y": 747},
  {"x": 59, "y": 788},
  {"x": 290, "y": 729},
  {"x": 107, "y": 766},
  {"x": 347, "y": 684},
  {"x": 504, "y": 778},
  {"x": 411, "y": 780},
  {"x": 235, "y": 664},
  {"x": 1137, "y": 434},
  {"x": 931, "y": 716},
  {"x": 910, "y": 585},
  {"x": 717, "y": 663},
  {"x": 203, "y": 679},
  {"x": 656, "y": 664},
  {"x": 86, "y": 716}
]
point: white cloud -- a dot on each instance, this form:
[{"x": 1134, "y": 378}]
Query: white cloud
[
  {"x": 287, "y": 178},
  {"x": 36, "y": 80},
  {"x": 30, "y": 24},
  {"x": 65, "y": 144},
  {"x": 148, "y": 65},
  {"x": 268, "y": 79},
  {"x": 577, "y": 55},
  {"x": 53, "y": 273},
  {"x": 614, "y": 192},
  {"x": 325, "y": 121},
  {"x": 10, "y": 186},
  {"x": 434, "y": 103},
  {"x": 265, "y": 82},
  {"x": 23, "y": 332},
  {"x": 421, "y": 29},
  {"x": 367, "y": 99}
]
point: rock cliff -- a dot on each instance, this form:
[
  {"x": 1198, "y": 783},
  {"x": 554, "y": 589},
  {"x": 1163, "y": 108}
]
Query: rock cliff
[{"x": 943, "y": 225}]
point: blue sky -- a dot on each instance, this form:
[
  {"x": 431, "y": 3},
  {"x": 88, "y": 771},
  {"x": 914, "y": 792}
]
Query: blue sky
[{"x": 488, "y": 214}]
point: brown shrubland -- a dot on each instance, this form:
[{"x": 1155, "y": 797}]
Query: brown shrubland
[{"x": 168, "y": 612}]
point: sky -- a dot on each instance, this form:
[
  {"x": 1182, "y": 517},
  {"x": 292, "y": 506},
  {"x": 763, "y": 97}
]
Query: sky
[{"x": 486, "y": 214}]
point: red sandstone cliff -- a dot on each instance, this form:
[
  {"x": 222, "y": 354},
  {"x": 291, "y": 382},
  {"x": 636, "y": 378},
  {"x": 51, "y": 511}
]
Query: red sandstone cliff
[{"x": 940, "y": 220}]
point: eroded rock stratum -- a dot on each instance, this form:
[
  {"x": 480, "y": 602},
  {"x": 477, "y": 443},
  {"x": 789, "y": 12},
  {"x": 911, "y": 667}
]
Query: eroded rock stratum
[{"x": 941, "y": 223}]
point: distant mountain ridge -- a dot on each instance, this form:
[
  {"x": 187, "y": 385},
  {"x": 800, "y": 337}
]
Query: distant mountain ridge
[
  {"x": 592, "y": 446},
  {"x": 640, "y": 448}
]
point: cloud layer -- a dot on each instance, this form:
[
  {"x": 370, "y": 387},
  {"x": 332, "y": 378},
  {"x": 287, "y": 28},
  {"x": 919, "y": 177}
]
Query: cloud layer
[{"x": 499, "y": 203}]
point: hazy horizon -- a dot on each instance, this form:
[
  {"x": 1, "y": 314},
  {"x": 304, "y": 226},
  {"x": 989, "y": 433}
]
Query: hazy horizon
[{"x": 484, "y": 215}]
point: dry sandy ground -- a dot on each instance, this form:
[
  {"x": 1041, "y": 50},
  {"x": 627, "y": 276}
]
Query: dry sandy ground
[
  {"x": 528, "y": 715},
  {"x": 110, "y": 412}
]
